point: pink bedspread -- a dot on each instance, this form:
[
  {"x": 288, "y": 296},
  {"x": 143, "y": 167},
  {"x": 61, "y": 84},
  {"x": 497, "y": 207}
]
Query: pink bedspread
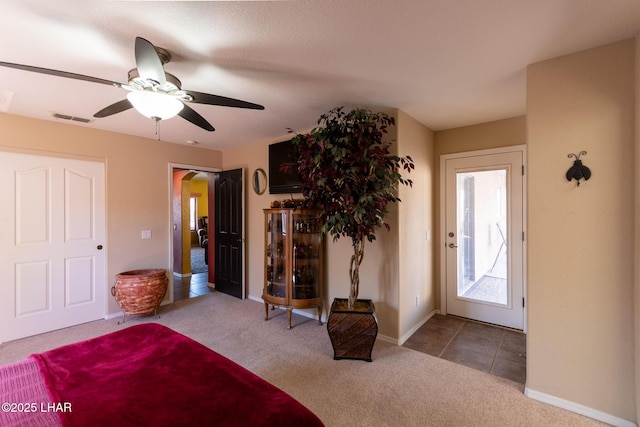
[
  {"x": 149, "y": 375},
  {"x": 24, "y": 397}
]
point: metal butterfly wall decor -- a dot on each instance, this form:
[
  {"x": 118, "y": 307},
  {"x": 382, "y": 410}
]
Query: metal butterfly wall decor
[{"x": 578, "y": 171}]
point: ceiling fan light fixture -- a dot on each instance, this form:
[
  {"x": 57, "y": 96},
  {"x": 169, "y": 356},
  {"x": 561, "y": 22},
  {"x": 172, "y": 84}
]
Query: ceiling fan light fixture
[
  {"x": 155, "y": 104},
  {"x": 153, "y": 92}
]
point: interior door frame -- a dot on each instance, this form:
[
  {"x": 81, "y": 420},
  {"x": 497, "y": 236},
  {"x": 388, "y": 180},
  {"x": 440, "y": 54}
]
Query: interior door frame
[
  {"x": 172, "y": 167},
  {"x": 442, "y": 220}
]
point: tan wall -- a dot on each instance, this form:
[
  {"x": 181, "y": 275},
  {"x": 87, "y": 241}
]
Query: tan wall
[
  {"x": 637, "y": 234},
  {"x": 250, "y": 158},
  {"x": 380, "y": 270},
  {"x": 415, "y": 221},
  {"x": 137, "y": 181},
  {"x": 501, "y": 133},
  {"x": 580, "y": 247}
]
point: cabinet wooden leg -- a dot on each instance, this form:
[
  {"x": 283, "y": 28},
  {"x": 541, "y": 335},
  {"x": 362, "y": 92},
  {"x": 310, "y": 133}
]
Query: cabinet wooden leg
[
  {"x": 266, "y": 311},
  {"x": 320, "y": 315},
  {"x": 289, "y": 317}
]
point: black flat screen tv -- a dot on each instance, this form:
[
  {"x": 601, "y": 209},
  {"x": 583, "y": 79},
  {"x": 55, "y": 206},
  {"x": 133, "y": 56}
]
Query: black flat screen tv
[{"x": 281, "y": 182}]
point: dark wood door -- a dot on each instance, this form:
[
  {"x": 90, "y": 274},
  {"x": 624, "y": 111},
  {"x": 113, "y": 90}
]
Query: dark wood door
[{"x": 229, "y": 253}]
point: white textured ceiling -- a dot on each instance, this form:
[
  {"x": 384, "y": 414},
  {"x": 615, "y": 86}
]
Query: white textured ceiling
[{"x": 447, "y": 63}]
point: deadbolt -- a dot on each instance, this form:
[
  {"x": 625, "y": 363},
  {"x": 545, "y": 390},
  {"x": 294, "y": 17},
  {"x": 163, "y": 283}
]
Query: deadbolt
[
  {"x": 451, "y": 234},
  {"x": 99, "y": 247}
]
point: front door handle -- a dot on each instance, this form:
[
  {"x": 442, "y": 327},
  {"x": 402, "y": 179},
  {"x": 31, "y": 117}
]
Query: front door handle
[{"x": 451, "y": 245}]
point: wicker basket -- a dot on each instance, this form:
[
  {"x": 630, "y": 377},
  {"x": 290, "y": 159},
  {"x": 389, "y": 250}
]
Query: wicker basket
[{"x": 140, "y": 292}]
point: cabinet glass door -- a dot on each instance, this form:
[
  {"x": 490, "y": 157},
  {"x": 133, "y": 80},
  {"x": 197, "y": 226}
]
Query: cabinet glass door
[
  {"x": 276, "y": 255},
  {"x": 306, "y": 256}
]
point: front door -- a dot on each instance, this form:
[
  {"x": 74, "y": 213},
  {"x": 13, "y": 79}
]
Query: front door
[
  {"x": 229, "y": 241},
  {"x": 52, "y": 232},
  {"x": 483, "y": 226}
]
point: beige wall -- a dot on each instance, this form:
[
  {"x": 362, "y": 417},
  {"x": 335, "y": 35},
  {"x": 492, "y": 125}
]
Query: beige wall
[
  {"x": 637, "y": 234},
  {"x": 580, "y": 340},
  {"x": 380, "y": 271},
  {"x": 416, "y": 220},
  {"x": 137, "y": 181},
  {"x": 501, "y": 133},
  {"x": 250, "y": 158}
]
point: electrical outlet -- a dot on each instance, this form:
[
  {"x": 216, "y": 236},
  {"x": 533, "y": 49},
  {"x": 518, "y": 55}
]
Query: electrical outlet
[{"x": 146, "y": 234}]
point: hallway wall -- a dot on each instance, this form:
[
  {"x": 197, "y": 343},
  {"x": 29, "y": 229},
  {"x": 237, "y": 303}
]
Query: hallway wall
[{"x": 580, "y": 245}]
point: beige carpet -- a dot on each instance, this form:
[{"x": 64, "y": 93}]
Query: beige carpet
[{"x": 401, "y": 387}]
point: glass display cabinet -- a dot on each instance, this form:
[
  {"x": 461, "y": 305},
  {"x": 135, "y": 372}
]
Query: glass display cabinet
[{"x": 294, "y": 250}]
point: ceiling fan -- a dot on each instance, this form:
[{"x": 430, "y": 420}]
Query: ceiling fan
[{"x": 152, "y": 91}]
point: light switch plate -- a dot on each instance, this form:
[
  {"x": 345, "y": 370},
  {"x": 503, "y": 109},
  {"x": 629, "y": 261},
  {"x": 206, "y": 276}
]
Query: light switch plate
[{"x": 146, "y": 234}]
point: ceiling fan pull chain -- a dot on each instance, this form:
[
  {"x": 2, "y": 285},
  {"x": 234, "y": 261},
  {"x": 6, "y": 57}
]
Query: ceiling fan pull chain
[{"x": 157, "y": 120}]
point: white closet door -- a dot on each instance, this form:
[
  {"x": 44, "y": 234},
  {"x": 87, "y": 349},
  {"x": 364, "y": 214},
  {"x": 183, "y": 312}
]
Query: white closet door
[{"x": 52, "y": 232}]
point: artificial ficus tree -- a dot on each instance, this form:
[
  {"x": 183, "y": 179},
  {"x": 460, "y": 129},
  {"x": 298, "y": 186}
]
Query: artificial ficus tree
[{"x": 348, "y": 172}]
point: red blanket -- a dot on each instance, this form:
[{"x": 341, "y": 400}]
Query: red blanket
[{"x": 150, "y": 375}]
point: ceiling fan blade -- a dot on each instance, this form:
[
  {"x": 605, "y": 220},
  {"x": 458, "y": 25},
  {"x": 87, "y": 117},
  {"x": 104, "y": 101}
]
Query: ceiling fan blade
[
  {"x": 58, "y": 73},
  {"x": 205, "y": 98},
  {"x": 191, "y": 115},
  {"x": 118, "y": 107},
  {"x": 148, "y": 62}
]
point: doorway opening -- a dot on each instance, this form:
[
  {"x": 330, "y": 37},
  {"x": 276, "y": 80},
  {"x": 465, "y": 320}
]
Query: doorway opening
[
  {"x": 214, "y": 234},
  {"x": 191, "y": 204},
  {"x": 199, "y": 223}
]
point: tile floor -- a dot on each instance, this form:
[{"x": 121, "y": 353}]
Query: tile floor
[
  {"x": 496, "y": 350},
  {"x": 190, "y": 286}
]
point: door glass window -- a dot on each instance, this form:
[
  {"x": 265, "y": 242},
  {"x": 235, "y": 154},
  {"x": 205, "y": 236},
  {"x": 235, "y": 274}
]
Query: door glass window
[{"x": 482, "y": 240}]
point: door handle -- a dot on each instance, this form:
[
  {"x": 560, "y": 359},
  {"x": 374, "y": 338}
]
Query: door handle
[{"x": 451, "y": 245}]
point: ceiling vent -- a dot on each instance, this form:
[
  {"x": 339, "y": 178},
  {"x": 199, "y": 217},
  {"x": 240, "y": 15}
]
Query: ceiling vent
[{"x": 59, "y": 116}]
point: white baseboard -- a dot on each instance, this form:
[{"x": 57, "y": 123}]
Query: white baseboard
[
  {"x": 303, "y": 313},
  {"x": 113, "y": 315},
  {"x": 385, "y": 338},
  {"x": 381, "y": 337},
  {"x": 252, "y": 298},
  {"x": 413, "y": 330},
  {"x": 578, "y": 409}
]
